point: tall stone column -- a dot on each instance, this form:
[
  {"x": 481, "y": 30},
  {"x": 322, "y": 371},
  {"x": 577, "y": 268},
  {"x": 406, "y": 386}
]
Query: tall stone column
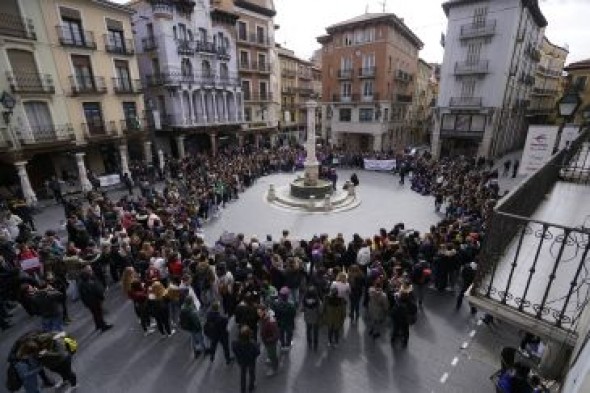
[
  {"x": 204, "y": 104},
  {"x": 25, "y": 184},
  {"x": 84, "y": 182},
  {"x": 147, "y": 152},
  {"x": 257, "y": 138},
  {"x": 311, "y": 163},
  {"x": 242, "y": 111},
  {"x": 161, "y": 160},
  {"x": 180, "y": 146},
  {"x": 225, "y": 113},
  {"x": 378, "y": 142},
  {"x": 191, "y": 115},
  {"x": 124, "y": 159},
  {"x": 215, "y": 115},
  {"x": 213, "y": 138}
]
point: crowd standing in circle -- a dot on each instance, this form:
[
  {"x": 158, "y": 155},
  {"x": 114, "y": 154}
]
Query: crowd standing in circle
[{"x": 153, "y": 245}]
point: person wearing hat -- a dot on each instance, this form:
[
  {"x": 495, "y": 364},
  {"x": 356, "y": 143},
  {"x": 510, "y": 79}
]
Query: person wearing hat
[{"x": 285, "y": 312}]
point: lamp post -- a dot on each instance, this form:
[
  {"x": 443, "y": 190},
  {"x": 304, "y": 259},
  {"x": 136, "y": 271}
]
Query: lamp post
[
  {"x": 9, "y": 102},
  {"x": 567, "y": 106}
]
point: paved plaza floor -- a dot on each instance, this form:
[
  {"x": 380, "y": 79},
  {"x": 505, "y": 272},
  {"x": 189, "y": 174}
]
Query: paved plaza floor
[{"x": 449, "y": 351}]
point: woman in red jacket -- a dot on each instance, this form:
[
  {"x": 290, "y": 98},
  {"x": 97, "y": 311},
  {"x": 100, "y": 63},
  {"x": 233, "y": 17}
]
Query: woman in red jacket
[
  {"x": 138, "y": 294},
  {"x": 29, "y": 261}
]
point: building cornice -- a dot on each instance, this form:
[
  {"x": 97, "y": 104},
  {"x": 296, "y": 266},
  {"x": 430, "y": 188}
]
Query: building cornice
[
  {"x": 532, "y": 5},
  {"x": 579, "y": 65},
  {"x": 255, "y": 8},
  {"x": 115, "y": 6},
  {"x": 223, "y": 16}
]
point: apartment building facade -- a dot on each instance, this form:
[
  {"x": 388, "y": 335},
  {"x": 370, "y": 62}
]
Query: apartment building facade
[
  {"x": 578, "y": 79},
  {"x": 297, "y": 87},
  {"x": 187, "y": 58},
  {"x": 548, "y": 87},
  {"x": 422, "y": 106},
  {"x": 369, "y": 66},
  {"x": 258, "y": 69},
  {"x": 70, "y": 66},
  {"x": 488, "y": 72}
]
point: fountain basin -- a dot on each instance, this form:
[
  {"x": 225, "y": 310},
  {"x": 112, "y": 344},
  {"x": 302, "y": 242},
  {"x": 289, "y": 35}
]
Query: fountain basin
[{"x": 304, "y": 191}]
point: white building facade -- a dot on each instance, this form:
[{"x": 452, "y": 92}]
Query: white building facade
[
  {"x": 490, "y": 60},
  {"x": 187, "y": 58}
]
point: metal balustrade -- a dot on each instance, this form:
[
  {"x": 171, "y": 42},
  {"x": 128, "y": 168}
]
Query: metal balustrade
[
  {"x": 123, "y": 47},
  {"x": 127, "y": 86},
  {"x": 482, "y": 29},
  {"x": 466, "y": 101},
  {"x": 472, "y": 67},
  {"x": 47, "y": 134},
  {"x": 30, "y": 82},
  {"x": 75, "y": 38},
  {"x": 16, "y": 26}
]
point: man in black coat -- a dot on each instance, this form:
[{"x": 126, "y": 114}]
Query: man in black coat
[
  {"x": 216, "y": 330},
  {"x": 246, "y": 351},
  {"x": 92, "y": 296}
]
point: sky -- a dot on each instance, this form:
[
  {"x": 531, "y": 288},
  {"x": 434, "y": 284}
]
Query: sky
[{"x": 301, "y": 21}]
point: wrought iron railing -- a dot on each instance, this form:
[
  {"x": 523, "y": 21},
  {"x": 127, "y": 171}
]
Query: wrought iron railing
[
  {"x": 286, "y": 73},
  {"x": 99, "y": 129},
  {"x": 127, "y": 86},
  {"x": 119, "y": 47},
  {"x": 534, "y": 267},
  {"x": 403, "y": 76},
  {"x": 472, "y": 67},
  {"x": 345, "y": 73},
  {"x": 471, "y": 30},
  {"x": 133, "y": 125},
  {"x": 47, "y": 134},
  {"x": 466, "y": 101},
  {"x": 15, "y": 26},
  {"x": 30, "y": 82},
  {"x": 75, "y": 38},
  {"x": 258, "y": 97},
  {"x": 367, "y": 72},
  {"x": 149, "y": 43},
  {"x": 185, "y": 47},
  {"x": 205, "y": 46},
  {"x": 87, "y": 85},
  {"x": 254, "y": 38}
]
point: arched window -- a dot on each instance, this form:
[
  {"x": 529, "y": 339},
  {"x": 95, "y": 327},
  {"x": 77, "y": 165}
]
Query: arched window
[
  {"x": 223, "y": 71},
  {"x": 186, "y": 68},
  {"x": 206, "y": 68}
]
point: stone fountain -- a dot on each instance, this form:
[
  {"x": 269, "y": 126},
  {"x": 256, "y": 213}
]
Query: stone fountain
[{"x": 310, "y": 193}]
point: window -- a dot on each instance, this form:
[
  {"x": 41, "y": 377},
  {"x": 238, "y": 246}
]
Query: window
[
  {"x": 248, "y": 113},
  {"x": 368, "y": 88},
  {"x": 202, "y": 35},
  {"x": 175, "y": 32},
  {"x": 186, "y": 68},
  {"x": 71, "y": 29},
  {"x": 244, "y": 59},
  {"x": 83, "y": 72},
  {"x": 467, "y": 88},
  {"x": 366, "y": 115},
  {"x": 156, "y": 66},
  {"x": 479, "y": 16},
  {"x": 205, "y": 68},
  {"x": 242, "y": 31},
  {"x": 347, "y": 39},
  {"x": 473, "y": 52},
  {"x": 260, "y": 35},
  {"x": 115, "y": 37},
  {"x": 359, "y": 37},
  {"x": 162, "y": 105},
  {"x": 223, "y": 71},
  {"x": 346, "y": 63},
  {"x": 123, "y": 76},
  {"x": 369, "y": 62},
  {"x": 246, "y": 89},
  {"x": 580, "y": 83},
  {"x": 24, "y": 69},
  {"x": 130, "y": 113},
  {"x": 150, "y": 30},
  {"x": 93, "y": 115},
  {"x": 346, "y": 89},
  {"x": 182, "y": 31},
  {"x": 370, "y": 35},
  {"x": 386, "y": 114},
  {"x": 262, "y": 61},
  {"x": 345, "y": 114},
  {"x": 39, "y": 118},
  {"x": 263, "y": 90}
]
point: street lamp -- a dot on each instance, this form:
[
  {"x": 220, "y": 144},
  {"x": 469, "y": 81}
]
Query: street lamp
[{"x": 8, "y": 102}]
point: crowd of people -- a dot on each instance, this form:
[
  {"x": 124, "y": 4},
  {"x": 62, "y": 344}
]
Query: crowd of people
[{"x": 153, "y": 245}]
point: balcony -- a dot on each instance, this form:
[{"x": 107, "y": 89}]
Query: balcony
[
  {"x": 127, "y": 86},
  {"x": 544, "y": 92},
  {"x": 458, "y": 134},
  {"x": 263, "y": 68},
  {"x": 287, "y": 90},
  {"x": 48, "y": 135},
  {"x": 124, "y": 47},
  {"x": 75, "y": 38},
  {"x": 476, "y": 30},
  {"x": 365, "y": 98},
  {"x": 132, "y": 126},
  {"x": 30, "y": 83},
  {"x": 257, "y": 97},
  {"x": 205, "y": 47},
  {"x": 162, "y": 9},
  {"x": 99, "y": 130},
  {"x": 548, "y": 72},
  {"x": 466, "y": 102},
  {"x": 367, "y": 72},
  {"x": 404, "y": 98},
  {"x": 533, "y": 264},
  {"x": 472, "y": 67},
  {"x": 403, "y": 76},
  {"x": 533, "y": 53},
  {"x": 254, "y": 39},
  {"x": 305, "y": 91},
  {"x": 304, "y": 75},
  {"x": 83, "y": 85},
  {"x": 345, "y": 74},
  {"x": 223, "y": 53},
  {"x": 15, "y": 26},
  {"x": 227, "y": 81},
  {"x": 149, "y": 44},
  {"x": 185, "y": 47},
  {"x": 285, "y": 73}
]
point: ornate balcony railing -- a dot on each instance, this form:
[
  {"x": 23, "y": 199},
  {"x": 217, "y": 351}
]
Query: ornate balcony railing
[
  {"x": 124, "y": 47},
  {"x": 466, "y": 101},
  {"x": 403, "y": 76},
  {"x": 533, "y": 268},
  {"x": 472, "y": 67},
  {"x": 345, "y": 73},
  {"x": 99, "y": 129},
  {"x": 255, "y": 39},
  {"x": 205, "y": 46},
  {"x": 286, "y": 73},
  {"x": 127, "y": 86},
  {"x": 367, "y": 72},
  {"x": 255, "y": 67},
  {"x": 473, "y": 30},
  {"x": 258, "y": 97},
  {"x": 149, "y": 43},
  {"x": 87, "y": 85},
  {"x": 549, "y": 72},
  {"x": 30, "y": 83},
  {"x": 15, "y": 26},
  {"x": 544, "y": 92},
  {"x": 75, "y": 38},
  {"x": 133, "y": 125},
  {"x": 47, "y": 134},
  {"x": 185, "y": 47}
]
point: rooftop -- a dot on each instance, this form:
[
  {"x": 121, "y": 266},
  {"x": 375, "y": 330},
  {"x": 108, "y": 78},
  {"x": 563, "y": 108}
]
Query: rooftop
[
  {"x": 578, "y": 65},
  {"x": 532, "y": 5}
]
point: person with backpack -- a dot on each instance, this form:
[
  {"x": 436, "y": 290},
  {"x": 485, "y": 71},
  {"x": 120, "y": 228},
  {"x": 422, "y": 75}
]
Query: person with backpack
[
  {"x": 421, "y": 274},
  {"x": 246, "y": 351},
  {"x": 269, "y": 335},
  {"x": 27, "y": 367},
  {"x": 403, "y": 314},
  {"x": 216, "y": 330},
  {"x": 189, "y": 321}
]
